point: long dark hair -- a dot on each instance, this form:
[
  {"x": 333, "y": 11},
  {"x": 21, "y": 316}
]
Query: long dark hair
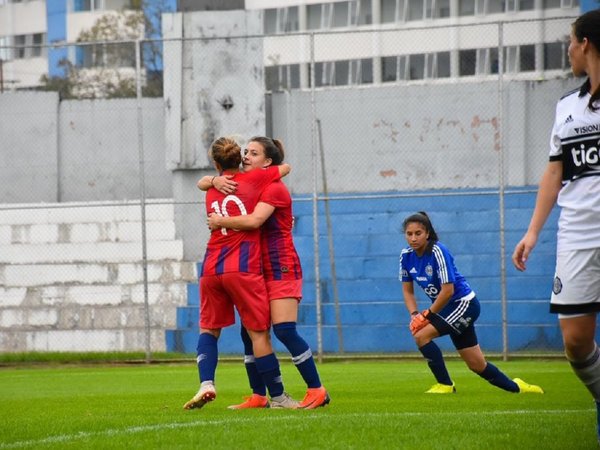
[
  {"x": 422, "y": 218},
  {"x": 273, "y": 148},
  {"x": 588, "y": 26}
]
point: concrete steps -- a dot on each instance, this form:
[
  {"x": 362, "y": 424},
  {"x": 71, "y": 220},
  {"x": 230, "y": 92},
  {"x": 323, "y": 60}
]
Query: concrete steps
[{"x": 71, "y": 276}]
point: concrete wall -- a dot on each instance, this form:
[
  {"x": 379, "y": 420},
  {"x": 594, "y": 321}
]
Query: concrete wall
[
  {"x": 79, "y": 150},
  {"x": 388, "y": 138},
  {"x": 28, "y": 147},
  {"x": 422, "y": 136},
  {"x": 99, "y": 150}
]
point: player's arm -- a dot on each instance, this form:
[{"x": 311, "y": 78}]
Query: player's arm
[
  {"x": 222, "y": 183},
  {"x": 408, "y": 291},
  {"x": 261, "y": 213},
  {"x": 549, "y": 188},
  {"x": 284, "y": 169}
]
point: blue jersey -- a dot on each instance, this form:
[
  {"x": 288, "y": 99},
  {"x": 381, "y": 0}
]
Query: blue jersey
[{"x": 432, "y": 270}]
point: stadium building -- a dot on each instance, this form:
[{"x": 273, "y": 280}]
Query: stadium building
[{"x": 33, "y": 34}]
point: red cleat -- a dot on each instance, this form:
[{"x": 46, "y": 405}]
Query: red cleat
[
  {"x": 314, "y": 398},
  {"x": 253, "y": 401}
]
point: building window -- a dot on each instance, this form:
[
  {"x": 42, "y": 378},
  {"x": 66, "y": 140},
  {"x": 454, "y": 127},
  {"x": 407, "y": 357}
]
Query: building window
[
  {"x": 5, "y": 53},
  {"x": 555, "y": 56},
  {"x": 105, "y": 55},
  {"x": 415, "y": 10},
  {"x": 440, "y": 67},
  {"x": 361, "y": 71},
  {"x": 20, "y": 49},
  {"x": 389, "y": 68},
  {"x": 437, "y": 9},
  {"x": 466, "y": 62},
  {"x": 416, "y": 67},
  {"x": 487, "y": 61},
  {"x": 37, "y": 49},
  {"x": 338, "y": 14},
  {"x": 466, "y": 7},
  {"x": 82, "y": 5},
  {"x": 280, "y": 78},
  {"x": 315, "y": 15},
  {"x": 527, "y": 58},
  {"x": 99, "y": 5},
  {"x": 324, "y": 73},
  {"x": 360, "y": 13},
  {"x": 281, "y": 20},
  {"x": 494, "y": 6},
  {"x": 526, "y": 5}
]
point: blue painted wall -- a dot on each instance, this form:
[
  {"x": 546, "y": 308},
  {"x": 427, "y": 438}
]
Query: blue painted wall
[
  {"x": 56, "y": 19},
  {"x": 588, "y": 5},
  {"x": 367, "y": 242}
]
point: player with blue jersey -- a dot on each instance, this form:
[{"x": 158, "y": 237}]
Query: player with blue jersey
[{"x": 453, "y": 311}]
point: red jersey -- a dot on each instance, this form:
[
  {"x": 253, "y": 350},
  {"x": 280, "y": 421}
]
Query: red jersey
[
  {"x": 279, "y": 257},
  {"x": 235, "y": 250}
]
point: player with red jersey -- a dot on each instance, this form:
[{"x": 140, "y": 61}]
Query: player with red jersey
[
  {"x": 282, "y": 271},
  {"x": 232, "y": 277}
]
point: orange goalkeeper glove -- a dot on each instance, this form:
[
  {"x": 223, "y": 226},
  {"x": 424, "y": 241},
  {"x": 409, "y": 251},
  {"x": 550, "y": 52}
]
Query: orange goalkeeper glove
[{"x": 419, "y": 321}]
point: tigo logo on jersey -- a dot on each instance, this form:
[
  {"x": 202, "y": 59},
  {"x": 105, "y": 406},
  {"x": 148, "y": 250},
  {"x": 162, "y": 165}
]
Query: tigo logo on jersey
[{"x": 582, "y": 155}]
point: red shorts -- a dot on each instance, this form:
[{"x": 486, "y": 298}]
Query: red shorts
[
  {"x": 246, "y": 291},
  {"x": 284, "y": 289}
]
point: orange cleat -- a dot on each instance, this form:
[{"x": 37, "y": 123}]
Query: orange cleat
[
  {"x": 252, "y": 401},
  {"x": 314, "y": 398}
]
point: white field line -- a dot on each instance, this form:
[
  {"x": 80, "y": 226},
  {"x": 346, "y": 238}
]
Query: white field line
[{"x": 63, "y": 438}]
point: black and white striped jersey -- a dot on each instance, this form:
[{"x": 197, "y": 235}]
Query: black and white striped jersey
[{"x": 575, "y": 141}]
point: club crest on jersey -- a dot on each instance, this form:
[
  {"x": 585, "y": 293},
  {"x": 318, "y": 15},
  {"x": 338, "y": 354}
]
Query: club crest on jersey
[
  {"x": 284, "y": 269},
  {"x": 429, "y": 270},
  {"x": 557, "y": 286}
]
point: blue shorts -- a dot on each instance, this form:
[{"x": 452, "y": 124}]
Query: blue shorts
[{"x": 457, "y": 319}]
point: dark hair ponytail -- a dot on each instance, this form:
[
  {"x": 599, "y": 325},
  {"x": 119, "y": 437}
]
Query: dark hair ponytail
[
  {"x": 588, "y": 26},
  {"x": 422, "y": 218}
]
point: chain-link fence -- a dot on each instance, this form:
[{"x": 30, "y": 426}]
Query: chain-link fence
[{"x": 101, "y": 224}]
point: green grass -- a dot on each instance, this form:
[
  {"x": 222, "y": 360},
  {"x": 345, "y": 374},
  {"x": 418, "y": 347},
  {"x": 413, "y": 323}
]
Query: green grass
[{"x": 375, "y": 405}]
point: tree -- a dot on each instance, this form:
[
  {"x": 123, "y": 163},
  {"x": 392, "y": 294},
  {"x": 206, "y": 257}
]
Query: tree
[{"x": 106, "y": 56}]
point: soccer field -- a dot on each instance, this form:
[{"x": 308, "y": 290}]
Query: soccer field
[{"x": 375, "y": 405}]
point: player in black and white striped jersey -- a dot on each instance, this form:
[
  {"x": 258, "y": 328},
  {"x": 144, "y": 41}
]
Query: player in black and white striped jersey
[{"x": 572, "y": 180}]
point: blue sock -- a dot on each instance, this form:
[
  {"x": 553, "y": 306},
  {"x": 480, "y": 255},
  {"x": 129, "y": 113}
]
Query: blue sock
[
  {"x": 496, "y": 377},
  {"x": 435, "y": 361},
  {"x": 300, "y": 351},
  {"x": 256, "y": 382},
  {"x": 208, "y": 355},
  {"x": 598, "y": 420},
  {"x": 268, "y": 367}
]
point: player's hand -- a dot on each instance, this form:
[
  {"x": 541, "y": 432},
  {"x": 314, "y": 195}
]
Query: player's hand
[
  {"x": 522, "y": 251},
  {"x": 213, "y": 221},
  {"x": 417, "y": 323},
  {"x": 224, "y": 184}
]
